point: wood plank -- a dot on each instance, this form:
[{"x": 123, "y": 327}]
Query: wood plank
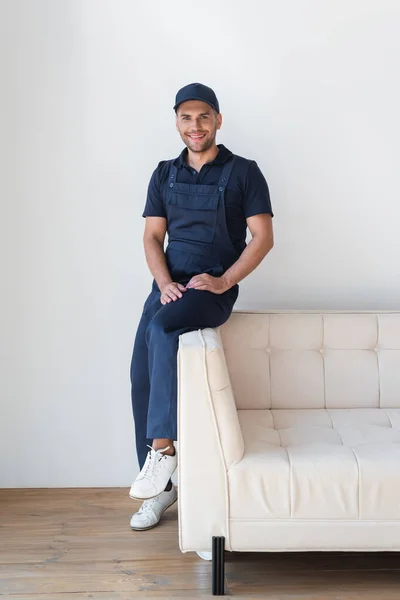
[{"x": 60, "y": 544}]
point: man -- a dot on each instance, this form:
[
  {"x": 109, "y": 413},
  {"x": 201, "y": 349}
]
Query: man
[{"x": 204, "y": 199}]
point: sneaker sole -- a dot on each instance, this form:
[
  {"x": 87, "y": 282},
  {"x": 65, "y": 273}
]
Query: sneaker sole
[
  {"x": 148, "y": 497},
  {"x": 155, "y": 524},
  {"x": 144, "y": 497}
]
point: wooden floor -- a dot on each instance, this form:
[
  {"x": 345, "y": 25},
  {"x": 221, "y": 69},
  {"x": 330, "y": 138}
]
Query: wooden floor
[{"x": 71, "y": 544}]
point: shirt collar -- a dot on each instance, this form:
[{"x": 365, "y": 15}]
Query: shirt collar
[{"x": 220, "y": 159}]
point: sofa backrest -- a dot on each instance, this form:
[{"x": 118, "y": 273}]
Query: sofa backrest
[{"x": 310, "y": 359}]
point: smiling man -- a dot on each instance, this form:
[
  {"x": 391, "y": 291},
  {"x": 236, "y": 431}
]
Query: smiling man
[{"x": 204, "y": 200}]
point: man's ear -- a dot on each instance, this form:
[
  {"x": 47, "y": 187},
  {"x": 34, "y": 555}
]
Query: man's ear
[{"x": 219, "y": 121}]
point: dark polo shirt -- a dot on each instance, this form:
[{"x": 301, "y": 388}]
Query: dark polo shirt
[{"x": 247, "y": 193}]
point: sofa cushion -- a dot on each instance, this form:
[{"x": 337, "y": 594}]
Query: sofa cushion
[
  {"x": 317, "y": 464},
  {"x": 313, "y": 360}
]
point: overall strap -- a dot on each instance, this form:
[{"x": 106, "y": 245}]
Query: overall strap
[
  {"x": 226, "y": 173},
  {"x": 172, "y": 174}
]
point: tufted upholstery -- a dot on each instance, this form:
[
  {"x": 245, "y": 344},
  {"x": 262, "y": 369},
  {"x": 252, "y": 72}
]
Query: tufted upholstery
[
  {"x": 314, "y": 360},
  {"x": 301, "y": 413},
  {"x": 322, "y": 464}
]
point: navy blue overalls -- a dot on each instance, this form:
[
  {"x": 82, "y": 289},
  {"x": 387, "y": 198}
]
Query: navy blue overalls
[{"x": 198, "y": 242}]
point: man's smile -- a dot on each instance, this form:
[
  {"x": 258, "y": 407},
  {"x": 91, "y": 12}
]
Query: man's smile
[{"x": 196, "y": 136}]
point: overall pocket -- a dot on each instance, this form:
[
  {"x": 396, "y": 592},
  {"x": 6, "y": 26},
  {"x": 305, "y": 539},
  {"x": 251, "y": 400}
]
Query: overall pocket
[{"x": 192, "y": 217}]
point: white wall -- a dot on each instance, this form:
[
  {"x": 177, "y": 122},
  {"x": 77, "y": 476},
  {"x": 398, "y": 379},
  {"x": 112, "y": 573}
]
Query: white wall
[{"x": 309, "y": 89}]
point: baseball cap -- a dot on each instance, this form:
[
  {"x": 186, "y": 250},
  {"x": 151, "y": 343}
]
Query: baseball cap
[{"x": 197, "y": 91}]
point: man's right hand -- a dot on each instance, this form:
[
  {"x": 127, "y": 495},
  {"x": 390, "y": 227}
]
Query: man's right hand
[{"x": 171, "y": 291}]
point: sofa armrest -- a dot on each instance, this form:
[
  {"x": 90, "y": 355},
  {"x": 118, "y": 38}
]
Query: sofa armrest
[{"x": 209, "y": 438}]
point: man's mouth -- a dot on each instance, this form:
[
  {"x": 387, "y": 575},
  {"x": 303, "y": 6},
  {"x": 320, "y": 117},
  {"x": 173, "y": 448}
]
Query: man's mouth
[{"x": 196, "y": 136}]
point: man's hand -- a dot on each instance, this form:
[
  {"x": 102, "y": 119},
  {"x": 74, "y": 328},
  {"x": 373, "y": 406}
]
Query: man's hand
[
  {"x": 171, "y": 291},
  {"x": 216, "y": 285}
]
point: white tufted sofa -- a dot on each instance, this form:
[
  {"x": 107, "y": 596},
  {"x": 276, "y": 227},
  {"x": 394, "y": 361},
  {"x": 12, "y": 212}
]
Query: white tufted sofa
[{"x": 289, "y": 432}]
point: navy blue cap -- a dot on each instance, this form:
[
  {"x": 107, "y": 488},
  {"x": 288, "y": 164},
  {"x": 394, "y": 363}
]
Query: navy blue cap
[{"x": 197, "y": 91}]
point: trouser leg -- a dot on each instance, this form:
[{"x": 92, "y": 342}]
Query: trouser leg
[
  {"x": 140, "y": 389},
  {"x": 195, "y": 310}
]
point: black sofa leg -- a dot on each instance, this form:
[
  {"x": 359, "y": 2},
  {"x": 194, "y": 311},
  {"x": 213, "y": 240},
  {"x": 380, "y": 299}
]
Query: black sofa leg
[{"x": 218, "y": 566}]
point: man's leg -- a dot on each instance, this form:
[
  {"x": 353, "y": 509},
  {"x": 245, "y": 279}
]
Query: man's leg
[
  {"x": 195, "y": 310},
  {"x": 140, "y": 385},
  {"x": 151, "y": 511},
  {"x": 140, "y": 388}
]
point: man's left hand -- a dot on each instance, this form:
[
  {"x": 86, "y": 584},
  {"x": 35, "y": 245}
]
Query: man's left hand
[{"x": 216, "y": 285}]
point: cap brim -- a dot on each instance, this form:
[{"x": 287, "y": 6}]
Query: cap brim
[{"x": 194, "y": 98}]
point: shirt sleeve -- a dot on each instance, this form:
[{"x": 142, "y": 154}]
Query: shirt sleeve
[
  {"x": 256, "y": 197},
  {"x": 154, "y": 206}
]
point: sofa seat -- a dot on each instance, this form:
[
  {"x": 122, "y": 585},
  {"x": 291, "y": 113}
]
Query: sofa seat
[{"x": 317, "y": 464}]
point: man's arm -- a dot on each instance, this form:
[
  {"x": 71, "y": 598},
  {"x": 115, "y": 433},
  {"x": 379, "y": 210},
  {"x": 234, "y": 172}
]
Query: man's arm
[
  {"x": 153, "y": 241},
  {"x": 261, "y": 243}
]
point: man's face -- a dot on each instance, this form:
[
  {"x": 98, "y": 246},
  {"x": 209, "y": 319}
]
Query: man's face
[{"x": 197, "y": 124}]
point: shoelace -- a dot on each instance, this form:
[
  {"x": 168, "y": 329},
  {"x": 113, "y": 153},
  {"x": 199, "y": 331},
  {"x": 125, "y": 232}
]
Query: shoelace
[
  {"x": 147, "y": 505},
  {"x": 153, "y": 462}
]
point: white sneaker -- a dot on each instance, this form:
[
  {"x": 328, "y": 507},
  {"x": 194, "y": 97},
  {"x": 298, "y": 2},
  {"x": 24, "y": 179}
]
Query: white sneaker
[
  {"x": 154, "y": 476},
  {"x": 151, "y": 511}
]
